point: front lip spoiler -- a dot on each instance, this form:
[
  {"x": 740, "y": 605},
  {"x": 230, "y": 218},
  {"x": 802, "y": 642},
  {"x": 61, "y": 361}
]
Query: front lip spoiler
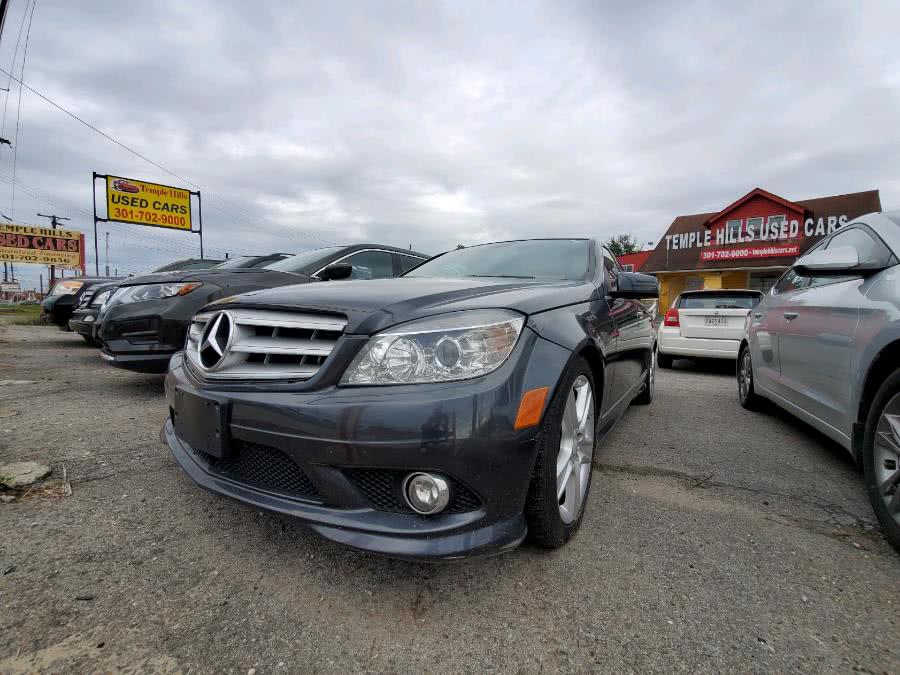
[
  {"x": 490, "y": 540},
  {"x": 141, "y": 363}
]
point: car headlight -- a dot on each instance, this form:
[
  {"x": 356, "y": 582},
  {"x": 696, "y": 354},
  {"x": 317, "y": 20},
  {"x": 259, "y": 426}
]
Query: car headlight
[
  {"x": 100, "y": 299},
  {"x": 155, "y": 291},
  {"x": 454, "y": 346},
  {"x": 67, "y": 287}
]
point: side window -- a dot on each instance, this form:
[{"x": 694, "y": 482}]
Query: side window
[
  {"x": 407, "y": 262},
  {"x": 611, "y": 268},
  {"x": 371, "y": 265},
  {"x": 866, "y": 246},
  {"x": 791, "y": 281}
]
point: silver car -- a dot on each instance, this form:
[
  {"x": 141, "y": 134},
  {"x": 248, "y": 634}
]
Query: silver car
[{"x": 824, "y": 344}]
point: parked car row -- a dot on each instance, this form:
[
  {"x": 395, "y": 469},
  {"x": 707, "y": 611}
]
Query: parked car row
[{"x": 449, "y": 407}]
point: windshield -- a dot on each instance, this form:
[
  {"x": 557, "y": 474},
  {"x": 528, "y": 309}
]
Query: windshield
[
  {"x": 187, "y": 265},
  {"x": 557, "y": 259},
  {"x": 301, "y": 261},
  {"x": 236, "y": 263}
]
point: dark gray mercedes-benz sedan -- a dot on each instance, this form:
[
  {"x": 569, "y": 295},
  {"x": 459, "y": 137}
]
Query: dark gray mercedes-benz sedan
[
  {"x": 824, "y": 344},
  {"x": 442, "y": 414}
]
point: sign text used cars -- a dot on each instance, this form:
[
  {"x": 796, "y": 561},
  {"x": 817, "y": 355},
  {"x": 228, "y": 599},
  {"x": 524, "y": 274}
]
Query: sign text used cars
[
  {"x": 136, "y": 201},
  {"x": 41, "y": 245}
]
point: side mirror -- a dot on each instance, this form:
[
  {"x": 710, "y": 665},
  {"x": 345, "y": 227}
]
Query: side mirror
[
  {"x": 635, "y": 286},
  {"x": 840, "y": 260},
  {"x": 336, "y": 271}
]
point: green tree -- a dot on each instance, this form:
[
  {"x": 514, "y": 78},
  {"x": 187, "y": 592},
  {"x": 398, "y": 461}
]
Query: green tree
[{"x": 622, "y": 244}]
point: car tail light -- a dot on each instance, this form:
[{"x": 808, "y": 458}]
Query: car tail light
[{"x": 672, "y": 319}]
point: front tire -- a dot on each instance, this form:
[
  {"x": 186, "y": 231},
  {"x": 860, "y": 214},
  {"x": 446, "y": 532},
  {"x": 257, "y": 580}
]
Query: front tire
[
  {"x": 747, "y": 395},
  {"x": 881, "y": 457},
  {"x": 561, "y": 480},
  {"x": 649, "y": 390}
]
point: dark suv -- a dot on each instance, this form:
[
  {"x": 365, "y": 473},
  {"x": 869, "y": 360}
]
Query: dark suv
[
  {"x": 146, "y": 319},
  {"x": 443, "y": 414}
]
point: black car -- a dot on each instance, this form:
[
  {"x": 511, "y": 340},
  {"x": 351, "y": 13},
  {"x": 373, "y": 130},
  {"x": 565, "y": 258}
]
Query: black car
[
  {"x": 443, "y": 414},
  {"x": 84, "y": 317},
  {"x": 65, "y": 296},
  {"x": 146, "y": 319}
]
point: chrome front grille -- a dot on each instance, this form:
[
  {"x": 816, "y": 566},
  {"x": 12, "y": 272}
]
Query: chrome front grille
[{"x": 264, "y": 344}]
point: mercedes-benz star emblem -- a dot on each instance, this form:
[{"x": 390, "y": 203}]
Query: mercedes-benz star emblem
[{"x": 214, "y": 342}]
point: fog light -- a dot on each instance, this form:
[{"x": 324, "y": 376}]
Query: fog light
[{"x": 427, "y": 493}]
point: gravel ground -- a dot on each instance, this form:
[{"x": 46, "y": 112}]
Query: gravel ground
[{"x": 715, "y": 540}]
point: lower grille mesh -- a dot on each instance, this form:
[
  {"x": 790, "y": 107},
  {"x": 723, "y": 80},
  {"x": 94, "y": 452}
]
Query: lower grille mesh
[
  {"x": 384, "y": 488},
  {"x": 263, "y": 467}
]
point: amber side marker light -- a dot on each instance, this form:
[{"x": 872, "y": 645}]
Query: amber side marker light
[{"x": 531, "y": 407}]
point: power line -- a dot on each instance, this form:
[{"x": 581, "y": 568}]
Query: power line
[
  {"x": 252, "y": 217},
  {"x": 12, "y": 205},
  {"x": 13, "y": 67}
]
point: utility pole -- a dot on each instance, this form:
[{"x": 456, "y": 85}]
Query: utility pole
[
  {"x": 42, "y": 285},
  {"x": 107, "y": 253},
  {"x": 54, "y": 221}
]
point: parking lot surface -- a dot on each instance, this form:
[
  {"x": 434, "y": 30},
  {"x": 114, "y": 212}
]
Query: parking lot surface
[{"x": 716, "y": 539}]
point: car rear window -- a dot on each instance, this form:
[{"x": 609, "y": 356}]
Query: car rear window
[{"x": 719, "y": 301}]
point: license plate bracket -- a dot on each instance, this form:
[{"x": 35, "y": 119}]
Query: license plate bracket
[{"x": 201, "y": 421}]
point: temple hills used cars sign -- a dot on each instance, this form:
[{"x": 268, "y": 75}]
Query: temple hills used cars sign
[
  {"x": 142, "y": 203},
  {"x": 42, "y": 246},
  {"x": 757, "y": 239}
]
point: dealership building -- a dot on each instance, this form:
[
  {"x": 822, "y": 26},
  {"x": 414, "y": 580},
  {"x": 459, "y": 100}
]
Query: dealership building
[{"x": 749, "y": 243}]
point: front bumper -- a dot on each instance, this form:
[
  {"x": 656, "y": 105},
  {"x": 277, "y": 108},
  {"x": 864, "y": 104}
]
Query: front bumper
[
  {"x": 334, "y": 435},
  {"x": 671, "y": 343},
  {"x": 83, "y": 322},
  {"x": 142, "y": 337},
  {"x": 58, "y": 310}
]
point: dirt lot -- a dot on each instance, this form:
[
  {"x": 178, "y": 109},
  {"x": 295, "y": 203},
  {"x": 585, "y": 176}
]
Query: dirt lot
[{"x": 715, "y": 540}]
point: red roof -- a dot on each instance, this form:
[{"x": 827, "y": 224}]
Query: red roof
[{"x": 636, "y": 259}]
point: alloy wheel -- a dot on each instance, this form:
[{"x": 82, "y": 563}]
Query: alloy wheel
[
  {"x": 576, "y": 450},
  {"x": 887, "y": 457},
  {"x": 745, "y": 375}
]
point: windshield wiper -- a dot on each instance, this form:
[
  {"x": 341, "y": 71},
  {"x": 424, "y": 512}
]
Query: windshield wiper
[{"x": 500, "y": 276}]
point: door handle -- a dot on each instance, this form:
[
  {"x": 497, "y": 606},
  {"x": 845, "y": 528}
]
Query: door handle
[{"x": 790, "y": 316}]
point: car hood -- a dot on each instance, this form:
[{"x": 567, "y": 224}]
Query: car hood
[
  {"x": 373, "y": 305},
  {"x": 211, "y": 276}
]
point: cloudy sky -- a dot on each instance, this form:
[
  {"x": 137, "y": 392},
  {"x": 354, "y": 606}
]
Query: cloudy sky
[{"x": 431, "y": 124}]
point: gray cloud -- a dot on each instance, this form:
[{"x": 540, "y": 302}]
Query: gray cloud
[{"x": 434, "y": 124}]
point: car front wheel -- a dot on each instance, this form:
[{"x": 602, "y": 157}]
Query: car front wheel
[
  {"x": 747, "y": 395},
  {"x": 561, "y": 479},
  {"x": 881, "y": 457}
]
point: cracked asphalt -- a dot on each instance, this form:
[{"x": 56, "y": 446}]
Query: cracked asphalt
[{"x": 716, "y": 539}]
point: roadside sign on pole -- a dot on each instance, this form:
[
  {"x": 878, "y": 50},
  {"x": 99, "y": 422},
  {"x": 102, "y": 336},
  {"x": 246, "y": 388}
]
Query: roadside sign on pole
[
  {"x": 142, "y": 203},
  {"x": 41, "y": 246}
]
